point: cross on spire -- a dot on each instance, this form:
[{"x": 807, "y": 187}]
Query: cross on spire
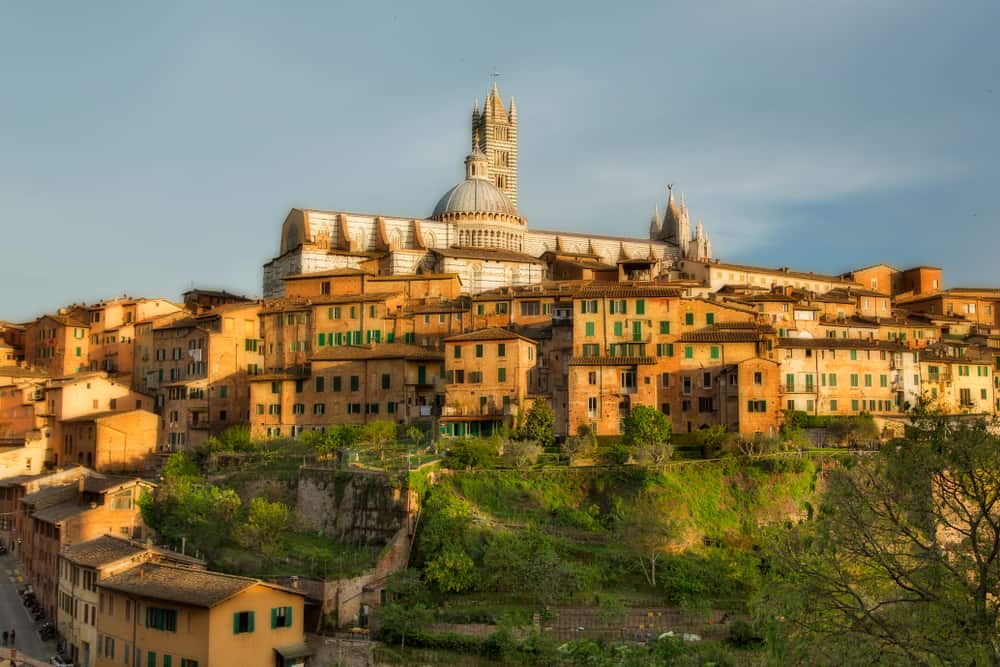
[{"x": 493, "y": 75}]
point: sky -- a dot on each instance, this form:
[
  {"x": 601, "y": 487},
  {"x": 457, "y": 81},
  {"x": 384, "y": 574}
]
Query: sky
[{"x": 146, "y": 148}]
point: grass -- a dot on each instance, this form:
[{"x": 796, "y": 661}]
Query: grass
[{"x": 306, "y": 554}]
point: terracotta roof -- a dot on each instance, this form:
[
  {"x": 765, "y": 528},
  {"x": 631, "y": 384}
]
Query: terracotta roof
[
  {"x": 488, "y": 254},
  {"x": 610, "y": 361},
  {"x": 544, "y": 288},
  {"x": 182, "y": 585},
  {"x": 777, "y": 272},
  {"x": 850, "y": 292},
  {"x": 591, "y": 265},
  {"x": 96, "y": 416},
  {"x": 21, "y": 372},
  {"x": 412, "y": 276},
  {"x": 625, "y": 290},
  {"x": 840, "y": 344},
  {"x": 331, "y": 273},
  {"x": 440, "y": 307},
  {"x": 304, "y": 303},
  {"x": 100, "y": 551},
  {"x": 716, "y": 334},
  {"x": 381, "y": 351},
  {"x": 490, "y": 333}
]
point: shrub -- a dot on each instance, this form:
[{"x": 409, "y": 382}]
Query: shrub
[
  {"x": 471, "y": 453},
  {"x": 521, "y": 453}
]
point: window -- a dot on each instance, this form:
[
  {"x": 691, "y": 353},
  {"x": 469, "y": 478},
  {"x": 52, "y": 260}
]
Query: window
[
  {"x": 688, "y": 352},
  {"x": 592, "y": 406},
  {"x": 833, "y": 405},
  {"x": 501, "y": 375},
  {"x": 640, "y": 307},
  {"x": 868, "y": 379},
  {"x": 758, "y": 378},
  {"x": 161, "y": 619},
  {"x": 281, "y": 617},
  {"x": 501, "y": 309},
  {"x": 883, "y": 380},
  {"x": 618, "y": 328},
  {"x": 529, "y": 308},
  {"x": 591, "y": 350},
  {"x": 689, "y": 318},
  {"x": 756, "y": 406},
  {"x": 588, "y": 306},
  {"x": 854, "y": 379},
  {"x": 589, "y": 328},
  {"x": 320, "y": 382},
  {"x": 664, "y": 327},
  {"x": 592, "y": 377},
  {"x": 298, "y": 408},
  {"x": 501, "y": 349},
  {"x": 479, "y": 350},
  {"x": 458, "y": 352},
  {"x": 336, "y": 383},
  {"x": 706, "y": 380},
  {"x": 319, "y": 408},
  {"x": 386, "y": 380},
  {"x": 715, "y": 352},
  {"x": 709, "y": 318},
  {"x": 242, "y": 622},
  {"x": 355, "y": 383},
  {"x": 475, "y": 377}
]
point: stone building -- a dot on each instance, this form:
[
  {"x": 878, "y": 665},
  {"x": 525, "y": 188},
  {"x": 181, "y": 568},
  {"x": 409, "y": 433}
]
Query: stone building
[
  {"x": 84, "y": 564},
  {"x": 475, "y": 231}
]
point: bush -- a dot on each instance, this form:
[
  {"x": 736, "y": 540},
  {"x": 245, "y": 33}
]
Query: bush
[
  {"x": 743, "y": 635},
  {"x": 521, "y": 453},
  {"x": 471, "y": 453}
]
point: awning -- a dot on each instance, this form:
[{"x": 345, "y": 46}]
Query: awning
[{"x": 300, "y": 650}]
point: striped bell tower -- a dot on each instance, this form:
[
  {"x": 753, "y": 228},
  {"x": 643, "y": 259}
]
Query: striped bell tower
[{"x": 494, "y": 132}]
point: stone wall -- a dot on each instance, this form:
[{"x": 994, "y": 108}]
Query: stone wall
[{"x": 356, "y": 507}]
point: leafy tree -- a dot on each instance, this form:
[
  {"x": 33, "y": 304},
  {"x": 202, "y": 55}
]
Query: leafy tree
[
  {"x": 903, "y": 561},
  {"x": 265, "y": 527},
  {"x": 451, "y": 570},
  {"x": 336, "y": 438},
  {"x": 649, "y": 528},
  {"x": 583, "y": 444},
  {"x": 712, "y": 440},
  {"x": 415, "y": 434},
  {"x": 378, "y": 433},
  {"x": 396, "y": 620},
  {"x": 648, "y": 431},
  {"x": 526, "y": 562},
  {"x": 521, "y": 453},
  {"x": 538, "y": 424}
]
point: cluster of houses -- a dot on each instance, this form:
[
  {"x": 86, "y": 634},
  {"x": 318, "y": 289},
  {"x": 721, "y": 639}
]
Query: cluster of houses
[{"x": 115, "y": 385}]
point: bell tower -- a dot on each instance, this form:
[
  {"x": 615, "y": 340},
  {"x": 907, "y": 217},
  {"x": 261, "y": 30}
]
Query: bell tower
[{"x": 494, "y": 132}]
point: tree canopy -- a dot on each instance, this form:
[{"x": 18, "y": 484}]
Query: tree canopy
[{"x": 903, "y": 561}]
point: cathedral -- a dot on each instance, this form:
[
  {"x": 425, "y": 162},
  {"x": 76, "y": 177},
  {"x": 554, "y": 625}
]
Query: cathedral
[{"x": 477, "y": 232}]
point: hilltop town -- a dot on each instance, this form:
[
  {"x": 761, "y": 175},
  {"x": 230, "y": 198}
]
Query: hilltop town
[{"x": 385, "y": 349}]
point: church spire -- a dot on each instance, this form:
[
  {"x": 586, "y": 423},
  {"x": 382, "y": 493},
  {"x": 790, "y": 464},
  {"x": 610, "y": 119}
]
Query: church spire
[{"x": 655, "y": 225}]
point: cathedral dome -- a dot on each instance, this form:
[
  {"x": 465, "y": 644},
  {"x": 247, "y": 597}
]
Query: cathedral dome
[{"x": 476, "y": 194}]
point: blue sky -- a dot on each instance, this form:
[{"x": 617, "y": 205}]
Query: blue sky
[{"x": 146, "y": 147}]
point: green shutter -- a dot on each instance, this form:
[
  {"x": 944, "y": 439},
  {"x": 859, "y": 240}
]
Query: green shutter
[
  {"x": 664, "y": 327},
  {"x": 274, "y": 617},
  {"x": 709, "y": 318},
  {"x": 688, "y": 318},
  {"x": 167, "y": 661},
  {"x": 251, "y": 621},
  {"x": 618, "y": 328},
  {"x": 288, "y": 613},
  {"x": 715, "y": 352},
  {"x": 640, "y": 307},
  {"x": 236, "y": 623},
  {"x": 151, "y": 659}
]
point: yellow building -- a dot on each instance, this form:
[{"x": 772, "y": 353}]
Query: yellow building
[
  {"x": 81, "y": 566},
  {"x": 167, "y": 616}
]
